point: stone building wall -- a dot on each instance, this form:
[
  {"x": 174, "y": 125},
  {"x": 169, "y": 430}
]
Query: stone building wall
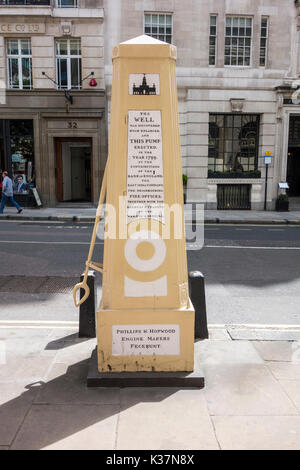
[
  {"x": 204, "y": 89},
  {"x": 54, "y": 118}
]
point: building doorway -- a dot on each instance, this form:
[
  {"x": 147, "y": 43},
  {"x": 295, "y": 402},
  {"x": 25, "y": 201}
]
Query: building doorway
[
  {"x": 293, "y": 160},
  {"x": 293, "y": 171},
  {"x": 74, "y": 169}
]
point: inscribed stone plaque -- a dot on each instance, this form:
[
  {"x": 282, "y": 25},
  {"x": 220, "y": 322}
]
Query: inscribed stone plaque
[
  {"x": 145, "y": 176},
  {"x": 145, "y": 340}
]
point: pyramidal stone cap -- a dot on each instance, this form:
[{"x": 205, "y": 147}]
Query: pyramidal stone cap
[
  {"x": 144, "y": 39},
  {"x": 144, "y": 46}
]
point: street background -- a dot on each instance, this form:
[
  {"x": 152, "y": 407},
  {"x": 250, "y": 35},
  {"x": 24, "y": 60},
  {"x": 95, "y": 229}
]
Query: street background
[{"x": 251, "y": 362}]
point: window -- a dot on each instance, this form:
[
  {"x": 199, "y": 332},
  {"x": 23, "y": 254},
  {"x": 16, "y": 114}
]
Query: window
[
  {"x": 17, "y": 151},
  {"x": 233, "y": 142},
  {"x": 68, "y": 63},
  {"x": 264, "y": 32},
  {"x": 19, "y": 60},
  {"x": 22, "y": 151},
  {"x": 238, "y": 36},
  {"x": 25, "y": 2},
  {"x": 67, "y": 4},
  {"x": 159, "y": 26},
  {"x": 212, "y": 40}
]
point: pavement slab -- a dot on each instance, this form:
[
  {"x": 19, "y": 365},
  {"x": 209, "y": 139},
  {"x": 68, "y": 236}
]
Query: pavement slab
[
  {"x": 15, "y": 402},
  {"x": 226, "y": 352},
  {"x": 258, "y": 432},
  {"x": 218, "y": 334},
  {"x": 66, "y": 384},
  {"x": 282, "y": 351},
  {"x": 19, "y": 369},
  {"x": 284, "y": 370},
  {"x": 57, "y": 427},
  {"x": 245, "y": 390},
  {"x": 261, "y": 334},
  {"x": 292, "y": 389},
  {"x": 76, "y": 350},
  {"x": 164, "y": 419}
]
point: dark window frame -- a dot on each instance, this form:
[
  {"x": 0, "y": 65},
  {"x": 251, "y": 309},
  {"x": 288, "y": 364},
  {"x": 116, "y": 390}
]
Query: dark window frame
[
  {"x": 237, "y": 160},
  {"x": 294, "y": 130}
]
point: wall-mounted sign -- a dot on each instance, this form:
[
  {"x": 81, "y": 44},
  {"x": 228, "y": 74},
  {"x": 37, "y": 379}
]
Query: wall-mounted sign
[
  {"x": 268, "y": 158},
  {"x": 144, "y": 84}
]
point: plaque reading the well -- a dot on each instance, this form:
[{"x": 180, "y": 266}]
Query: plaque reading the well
[{"x": 145, "y": 176}]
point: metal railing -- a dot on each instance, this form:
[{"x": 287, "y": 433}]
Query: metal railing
[{"x": 234, "y": 196}]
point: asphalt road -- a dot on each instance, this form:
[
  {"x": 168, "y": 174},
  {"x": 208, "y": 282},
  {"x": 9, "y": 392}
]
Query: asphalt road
[{"x": 252, "y": 272}]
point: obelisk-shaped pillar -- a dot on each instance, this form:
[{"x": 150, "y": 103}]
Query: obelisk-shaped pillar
[{"x": 145, "y": 321}]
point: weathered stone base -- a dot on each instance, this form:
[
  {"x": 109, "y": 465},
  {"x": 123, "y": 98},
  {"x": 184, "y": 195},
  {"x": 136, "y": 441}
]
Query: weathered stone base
[
  {"x": 182, "y": 360},
  {"x": 143, "y": 379}
]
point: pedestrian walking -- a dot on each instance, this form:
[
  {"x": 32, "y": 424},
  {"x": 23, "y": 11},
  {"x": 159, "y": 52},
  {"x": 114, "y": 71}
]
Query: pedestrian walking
[{"x": 7, "y": 193}]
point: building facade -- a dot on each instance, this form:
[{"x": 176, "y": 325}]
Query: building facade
[
  {"x": 52, "y": 111},
  {"x": 237, "y": 71}
]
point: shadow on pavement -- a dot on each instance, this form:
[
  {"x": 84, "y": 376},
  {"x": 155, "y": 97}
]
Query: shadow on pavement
[
  {"x": 59, "y": 409},
  {"x": 65, "y": 342}
]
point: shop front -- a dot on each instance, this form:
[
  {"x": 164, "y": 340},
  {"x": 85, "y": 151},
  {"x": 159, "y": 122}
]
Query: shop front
[
  {"x": 54, "y": 155},
  {"x": 17, "y": 157}
]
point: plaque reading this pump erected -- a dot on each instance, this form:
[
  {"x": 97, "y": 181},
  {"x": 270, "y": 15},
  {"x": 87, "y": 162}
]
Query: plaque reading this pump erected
[{"x": 145, "y": 175}]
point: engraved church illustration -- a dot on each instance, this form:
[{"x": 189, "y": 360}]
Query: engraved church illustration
[{"x": 144, "y": 88}]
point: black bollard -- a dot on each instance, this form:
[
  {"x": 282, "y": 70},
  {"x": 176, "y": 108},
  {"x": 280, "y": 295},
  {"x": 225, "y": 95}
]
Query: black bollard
[
  {"x": 197, "y": 293},
  {"x": 87, "y": 311}
]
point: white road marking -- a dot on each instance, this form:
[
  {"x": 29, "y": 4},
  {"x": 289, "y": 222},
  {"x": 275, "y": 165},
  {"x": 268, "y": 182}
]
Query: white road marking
[
  {"x": 35, "y": 327},
  {"x": 56, "y": 322},
  {"x": 211, "y": 326},
  {"x": 257, "y": 326},
  {"x": 31, "y": 242},
  {"x": 238, "y": 247},
  {"x": 234, "y": 247}
]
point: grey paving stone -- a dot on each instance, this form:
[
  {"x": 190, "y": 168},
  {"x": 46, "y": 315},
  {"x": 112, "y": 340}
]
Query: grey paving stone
[
  {"x": 218, "y": 334},
  {"x": 226, "y": 352},
  {"x": 15, "y": 401},
  {"x": 281, "y": 351},
  {"x": 258, "y": 432},
  {"x": 75, "y": 351},
  {"x": 24, "y": 342},
  {"x": 292, "y": 388},
  {"x": 68, "y": 428},
  {"x": 67, "y": 385},
  {"x": 20, "y": 369},
  {"x": 261, "y": 334},
  {"x": 164, "y": 419},
  {"x": 284, "y": 370},
  {"x": 244, "y": 390}
]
